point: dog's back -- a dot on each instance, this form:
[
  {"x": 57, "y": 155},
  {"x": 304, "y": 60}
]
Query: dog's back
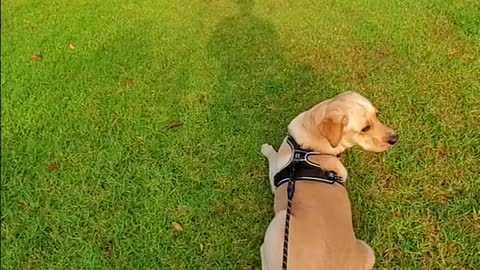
[{"x": 326, "y": 240}]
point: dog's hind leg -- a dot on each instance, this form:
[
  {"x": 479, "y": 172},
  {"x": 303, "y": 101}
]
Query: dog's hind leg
[
  {"x": 264, "y": 260},
  {"x": 367, "y": 254},
  {"x": 272, "y": 247},
  {"x": 269, "y": 152}
]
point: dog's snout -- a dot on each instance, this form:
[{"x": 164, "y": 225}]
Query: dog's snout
[{"x": 393, "y": 138}]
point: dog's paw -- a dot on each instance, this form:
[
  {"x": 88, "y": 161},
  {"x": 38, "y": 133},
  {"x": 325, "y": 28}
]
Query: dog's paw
[{"x": 267, "y": 150}]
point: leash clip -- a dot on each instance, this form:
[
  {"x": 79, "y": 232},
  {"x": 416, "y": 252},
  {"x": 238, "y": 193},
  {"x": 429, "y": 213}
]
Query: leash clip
[
  {"x": 291, "y": 189},
  {"x": 293, "y": 174}
]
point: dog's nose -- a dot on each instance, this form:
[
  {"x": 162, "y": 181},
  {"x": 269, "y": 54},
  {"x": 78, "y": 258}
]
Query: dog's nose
[{"x": 393, "y": 138}]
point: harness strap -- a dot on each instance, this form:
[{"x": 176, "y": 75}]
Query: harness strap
[{"x": 305, "y": 169}]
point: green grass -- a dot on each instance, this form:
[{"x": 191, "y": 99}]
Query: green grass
[{"x": 233, "y": 73}]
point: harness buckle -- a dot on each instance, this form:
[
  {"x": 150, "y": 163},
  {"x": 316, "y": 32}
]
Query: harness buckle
[{"x": 333, "y": 176}]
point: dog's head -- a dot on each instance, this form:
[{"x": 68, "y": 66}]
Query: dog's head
[{"x": 342, "y": 122}]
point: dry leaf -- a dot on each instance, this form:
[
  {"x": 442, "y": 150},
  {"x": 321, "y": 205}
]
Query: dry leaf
[
  {"x": 453, "y": 52},
  {"x": 116, "y": 120},
  {"x": 177, "y": 227},
  {"x": 108, "y": 247},
  {"x": 72, "y": 46},
  {"x": 129, "y": 82},
  {"x": 174, "y": 124},
  {"x": 53, "y": 166},
  {"x": 202, "y": 99},
  {"x": 36, "y": 57},
  {"x": 201, "y": 246}
]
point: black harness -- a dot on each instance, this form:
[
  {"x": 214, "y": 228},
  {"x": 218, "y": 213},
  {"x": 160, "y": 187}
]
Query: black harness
[
  {"x": 302, "y": 168},
  {"x": 299, "y": 168}
]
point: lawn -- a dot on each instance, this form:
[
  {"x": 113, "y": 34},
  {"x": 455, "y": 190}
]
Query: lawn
[{"x": 131, "y": 129}]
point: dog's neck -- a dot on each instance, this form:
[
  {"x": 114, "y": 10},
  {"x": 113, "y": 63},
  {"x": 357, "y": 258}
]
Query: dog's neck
[{"x": 308, "y": 139}]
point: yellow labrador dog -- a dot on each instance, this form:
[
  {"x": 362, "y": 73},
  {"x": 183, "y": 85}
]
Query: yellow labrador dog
[{"x": 321, "y": 233}]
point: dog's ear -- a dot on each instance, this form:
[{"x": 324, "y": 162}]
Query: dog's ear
[{"x": 332, "y": 125}]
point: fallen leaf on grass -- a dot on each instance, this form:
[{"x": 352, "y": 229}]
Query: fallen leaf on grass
[
  {"x": 201, "y": 99},
  {"x": 129, "y": 82},
  {"x": 72, "y": 46},
  {"x": 32, "y": 28},
  {"x": 177, "y": 227},
  {"x": 36, "y": 57},
  {"x": 53, "y": 166},
  {"x": 116, "y": 120},
  {"x": 108, "y": 247},
  {"x": 201, "y": 246},
  {"x": 174, "y": 124},
  {"x": 453, "y": 52}
]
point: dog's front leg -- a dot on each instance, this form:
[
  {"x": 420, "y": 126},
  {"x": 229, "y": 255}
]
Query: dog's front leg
[{"x": 269, "y": 152}]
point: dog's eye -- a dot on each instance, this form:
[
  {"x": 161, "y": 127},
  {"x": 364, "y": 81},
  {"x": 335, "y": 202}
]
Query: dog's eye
[{"x": 367, "y": 128}]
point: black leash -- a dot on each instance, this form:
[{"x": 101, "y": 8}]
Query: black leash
[
  {"x": 290, "y": 192},
  {"x": 299, "y": 157}
]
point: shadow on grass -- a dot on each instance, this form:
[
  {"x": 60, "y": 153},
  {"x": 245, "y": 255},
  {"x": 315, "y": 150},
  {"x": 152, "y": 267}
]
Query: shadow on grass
[
  {"x": 257, "y": 92},
  {"x": 124, "y": 56},
  {"x": 256, "y": 80}
]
